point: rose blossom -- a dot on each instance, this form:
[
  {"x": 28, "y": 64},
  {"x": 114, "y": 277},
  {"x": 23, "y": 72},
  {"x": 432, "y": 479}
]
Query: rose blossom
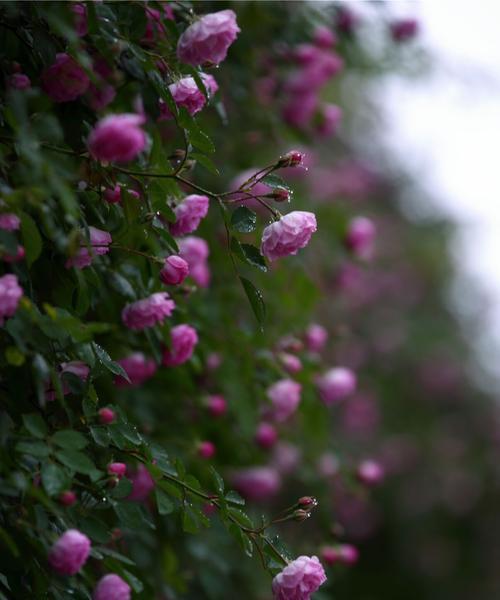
[
  {"x": 336, "y": 384},
  {"x": 290, "y": 362},
  {"x": 139, "y": 369},
  {"x": 118, "y": 469},
  {"x": 330, "y": 116},
  {"x": 266, "y": 435},
  {"x": 183, "y": 341},
  {"x": 195, "y": 251},
  {"x": 207, "y": 40},
  {"x": 19, "y": 81},
  {"x": 9, "y": 222},
  {"x": 98, "y": 243},
  {"x": 148, "y": 311},
  {"x": 189, "y": 214},
  {"x": 114, "y": 196},
  {"x": 117, "y": 138},
  {"x": 174, "y": 271},
  {"x": 186, "y": 94},
  {"x": 286, "y": 236},
  {"x": 404, "y": 29},
  {"x": 216, "y": 405},
  {"x": 360, "y": 236},
  {"x": 285, "y": 398},
  {"x": 102, "y": 92},
  {"x": 81, "y": 25},
  {"x": 324, "y": 37},
  {"x": 111, "y": 587},
  {"x": 10, "y": 294},
  {"x": 206, "y": 450},
  {"x": 370, "y": 472},
  {"x": 67, "y": 498},
  {"x": 257, "y": 483},
  {"x": 106, "y": 416},
  {"x": 70, "y": 552},
  {"x": 65, "y": 80},
  {"x": 315, "y": 337},
  {"x": 142, "y": 484},
  {"x": 299, "y": 579}
]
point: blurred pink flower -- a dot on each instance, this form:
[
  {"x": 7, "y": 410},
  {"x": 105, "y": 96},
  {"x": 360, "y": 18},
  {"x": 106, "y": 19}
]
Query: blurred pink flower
[
  {"x": 70, "y": 552},
  {"x": 257, "y": 483},
  {"x": 117, "y": 138},
  {"x": 148, "y": 311},
  {"x": 183, "y": 341},
  {"x": 65, "y": 80},
  {"x": 189, "y": 214},
  {"x": 285, "y": 398},
  {"x": 139, "y": 369}
]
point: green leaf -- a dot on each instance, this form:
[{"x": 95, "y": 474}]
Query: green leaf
[
  {"x": 136, "y": 583},
  {"x": 100, "y": 435},
  {"x": 32, "y": 240},
  {"x": 205, "y": 161},
  {"x": 132, "y": 516},
  {"x": 243, "y": 220},
  {"x": 106, "y": 360},
  {"x": 274, "y": 181},
  {"x": 242, "y": 539},
  {"x": 162, "y": 230},
  {"x": 121, "y": 285},
  {"x": 77, "y": 461},
  {"x": 69, "y": 439},
  {"x": 256, "y": 300},
  {"x": 95, "y": 529},
  {"x": 14, "y": 356},
  {"x": 54, "y": 479},
  {"x": 254, "y": 257},
  {"x": 38, "y": 449},
  {"x": 233, "y": 497},
  {"x": 218, "y": 481},
  {"x": 123, "y": 489},
  {"x": 35, "y": 425},
  {"x": 165, "y": 505},
  {"x": 201, "y": 141},
  {"x": 241, "y": 517}
]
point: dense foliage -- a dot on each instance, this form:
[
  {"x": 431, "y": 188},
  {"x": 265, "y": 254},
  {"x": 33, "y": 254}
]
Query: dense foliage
[{"x": 179, "y": 395}]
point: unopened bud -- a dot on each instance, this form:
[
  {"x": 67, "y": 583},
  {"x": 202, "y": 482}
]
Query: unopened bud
[
  {"x": 293, "y": 158},
  {"x": 301, "y": 515},
  {"x": 279, "y": 194},
  {"x": 307, "y": 502}
]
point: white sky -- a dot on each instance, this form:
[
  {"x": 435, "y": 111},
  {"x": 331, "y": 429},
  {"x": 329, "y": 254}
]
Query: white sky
[{"x": 448, "y": 125}]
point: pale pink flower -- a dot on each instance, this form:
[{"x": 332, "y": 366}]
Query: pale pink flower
[
  {"x": 102, "y": 92},
  {"x": 174, "y": 271},
  {"x": 65, "y": 80},
  {"x": 266, "y": 435},
  {"x": 216, "y": 405},
  {"x": 183, "y": 341},
  {"x": 186, "y": 94},
  {"x": 288, "y": 235},
  {"x": 257, "y": 483},
  {"x": 139, "y": 369},
  {"x": 370, "y": 472},
  {"x": 290, "y": 362},
  {"x": 112, "y": 587},
  {"x": 10, "y": 294},
  {"x": 336, "y": 384},
  {"x": 299, "y": 579},
  {"x": 97, "y": 245},
  {"x": 70, "y": 552},
  {"x": 285, "y": 398},
  {"x": 142, "y": 484},
  {"x": 343, "y": 553},
  {"x": 117, "y": 138},
  {"x": 315, "y": 337},
  {"x": 148, "y": 311},
  {"x": 195, "y": 251},
  {"x": 9, "y": 222},
  {"x": 360, "y": 237},
  {"x": 207, "y": 40},
  {"x": 189, "y": 214}
]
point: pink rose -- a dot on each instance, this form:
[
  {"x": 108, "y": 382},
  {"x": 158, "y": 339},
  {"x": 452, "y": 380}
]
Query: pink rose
[
  {"x": 102, "y": 92},
  {"x": 112, "y": 587},
  {"x": 117, "y": 138},
  {"x": 195, "y": 251},
  {"x": 106, "y": 416},
  {"x": 404, "y": 30},
  {"x": 216, "y": 405},
  {"x": 174, "y": 271},
  {"x": 183, "y": 341},
  {"x": 315, "y": 337},
  {"x": 19, "y": 81},
  {"x": 370, "y": 472},
  {"x": 343, "y": 553},
  {"x": 139, "y": 369},
  {"x": 189, "y": 214},
  {"x": 299, "y": 579},
  {"x": 148, "y": 311},
  {"x": 330, "y": 117},
  {"x": 290, "y": 362},
  {"x": 142, "y": 484},
  {"x": 285, "y": 398},
  {"x": 68, "y": 555},
  {"x": 336, "y": 384},
  {"x": 318, "y": 69},
  {"x": 118, "y": 469},
  {"x": 65, "y": 80},
  {"x": 81, "y": 25},
  {"x": 186, "y": 94},
  {"x": 9, "y": 222},
  {"x": 324, "y": 37},
  {"x": 286, "y": 236},
  {"x": 266, "y": 435},
  {"x": 257, "y": 483},
  {"x": 114, "y": 196},
  {"x": 360, "y": 236},
  {"x": 155, "y": 29},
  {"x": 206, "y": 450},
  {"x": 207, "y": 40},
  {"x": 67, "y": 498},
  {"x": 97, "y": 246},
  {"x": 10, "y": 294}
]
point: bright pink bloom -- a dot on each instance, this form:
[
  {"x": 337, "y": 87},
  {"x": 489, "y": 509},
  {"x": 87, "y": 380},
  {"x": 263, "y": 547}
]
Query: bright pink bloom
[
  {"x": 142, "y": 484},
  {"x": 102, "y": 92},
  {"x": 266, "y": 435},
  {"x": 189, "y": 214},
  {"x": 290, "y": 362},
  {"x": 360, "y": 237},
  {"x": 285, "y": 398},
  {"x": 404, "y": 29},
  {"x": 117, "y": 138},
  {"x": 186, "y": 94},
  {"x": 343, "y": 553},
  {"x": 330, "y": 117},
  {"x": 299, "y": 579},
  {"x": 286, "y": 236},
  {"x": 206, "y": 450},
  {"x": 67, "y": 498},
  {"x": 65, "y": 80},
  {"x": 195, "y": 251},
  {"x": 106, "y": 416},
  {"x": 148, "y": 311},
  {"x": 174, "y": 271},
  {"x": 81, "y": 25},
  {"x": 320, "y": 68},
  {"x": 207, "y": 40},
  {"x": 324, "y": 37},
  {"x": 370, "y": 472},
  {"x": 9, "y": 222},
  {"x": 216, "y": 405},
  {"x": 70, "y": 552},
  {"x": 139, "y": 369},
  {"x": 315, "y": 337},
  {"x": 183, "y": 341},
  {"x": 10, "y": 294},
  {"x": 118, "y": 469},
  {"x": 19, "y": 81},
  {"x": 257, "y": 483},
  {"x": 97, "y": 246},
  {"x": 112, "y": 587},
  {"x": 336, "y": 384}
]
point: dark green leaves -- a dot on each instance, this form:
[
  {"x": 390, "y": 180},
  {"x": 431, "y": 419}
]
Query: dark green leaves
[
  {"x": 77, "y": 461},
  {"x": 256, "y": 300},
  {"x": 106, "y": 360},
  {"x": 54, "y": 479},
  {"x": 32, "y": 240},
  {"x": 243, "y": 220},
  {"x": 248, "y": 254},
  {"x": 132, "y": 516},
  {"x": 165, "y": 505},
  {"x": 35, "y": 425},
  {"x": 70, "y": 439}
]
